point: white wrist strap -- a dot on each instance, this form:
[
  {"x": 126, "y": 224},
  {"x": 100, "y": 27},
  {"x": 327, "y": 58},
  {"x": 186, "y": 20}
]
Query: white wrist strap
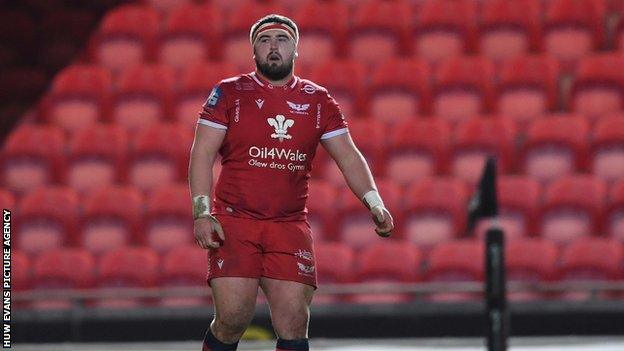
[
  {"x": 201, "y": 206},
  {"x": 373, "y": 199}
]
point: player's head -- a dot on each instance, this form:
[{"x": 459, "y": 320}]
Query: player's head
[{"x": 274, "y": 39}]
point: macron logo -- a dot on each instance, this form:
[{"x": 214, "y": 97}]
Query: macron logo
[
  {"x": 260, "y": 102},
  {"x": 281, "y": 125}
]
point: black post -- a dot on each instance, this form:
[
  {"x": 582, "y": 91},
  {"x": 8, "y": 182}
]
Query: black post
[{"x": 496, "y": 298}]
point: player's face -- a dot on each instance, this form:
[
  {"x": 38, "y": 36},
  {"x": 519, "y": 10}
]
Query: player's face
[{"x": 274, "y": 53}]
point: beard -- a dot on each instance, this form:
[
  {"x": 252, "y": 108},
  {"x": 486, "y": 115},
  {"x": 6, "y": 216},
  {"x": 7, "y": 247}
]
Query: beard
[{"x": 274, "y": 71}]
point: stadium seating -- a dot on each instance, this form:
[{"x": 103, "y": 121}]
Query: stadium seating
[
  {"x": 144, "y": 96},
  {"x": 62, "y": 269},
  {"x": 32, "y": 156},
  {"x": 168, "y": 220},
  {"x": 126, "y": 37},
  {"x": 127, "y": 267},
  {"x": 344, "y": 78},
  {"x": 573, "y": 207},
  {"x": 165, "y": 7},
  {"x": 444, "y": 29},
  {"x": 555, "y": 146},
  {"x": 97, "y": 157},
  {"x": 572, "y": 29},
  {"x": 463, "y": 87},
  {"x": 159, "y": 155},
  {"x": 455, "y": 261},
  {"x": 184, "y": 266},
  {"x": 590, "y": 259},
  {"x": 399, "y": 89},
  {"x": 335, "y": 264},
  {"x": 379, "y": 30},
  {"x": 112, "y": 217},
  {"x": 80, "y": 96},
  {"x": 196, "y": 82},
  {"x": 527, "y": 87},
  {"x": 530, "y": 261},
  {"x": 434, "y": 211},
  {"x": 509, "y": 28},
  {"x": 418, "y": 148},
  {"x": 599, "y": 86},
  {"x": 388, "y": 261},
  {"x": 48, "y": 218},
  {"x": 607, "y": 148},
  {"x": 320, "y": 213},
  {"x": 188, "y": 33},
  {"x": 7, "y": 200},
  {"x": 478, "y": 137},
  {"x": 614, "y": 219},
  {"x": 21, "y": 274}
]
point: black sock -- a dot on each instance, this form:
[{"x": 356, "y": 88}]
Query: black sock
[
  {"x": 211, "y": 343},
  {"x": 296, "y": 345}
]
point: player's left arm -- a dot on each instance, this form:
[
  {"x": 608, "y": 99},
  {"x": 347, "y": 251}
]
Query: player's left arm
[{"x": 359, "y": 178}]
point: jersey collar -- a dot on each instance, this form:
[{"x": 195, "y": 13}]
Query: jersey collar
[{"x": 267, "y": 85}]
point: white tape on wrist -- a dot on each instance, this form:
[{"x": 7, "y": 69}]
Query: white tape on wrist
[
  {"x": 373, "y": 199},
  {"x": 201, "y": 206}
]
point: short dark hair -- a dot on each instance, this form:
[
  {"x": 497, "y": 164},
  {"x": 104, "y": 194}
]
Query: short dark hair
[{"x": 274, "y": 18}]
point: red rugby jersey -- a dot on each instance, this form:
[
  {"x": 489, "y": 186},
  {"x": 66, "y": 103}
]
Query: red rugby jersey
[{"x": 271, "y": 139}]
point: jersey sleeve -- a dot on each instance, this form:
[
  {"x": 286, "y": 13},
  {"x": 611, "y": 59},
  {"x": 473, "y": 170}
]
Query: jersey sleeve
[
  {"x": 214, "y": 111},
  {"x": 335, "y": 123}
]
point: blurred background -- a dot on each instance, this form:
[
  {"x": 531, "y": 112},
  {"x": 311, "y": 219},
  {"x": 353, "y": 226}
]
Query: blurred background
[{"x": 99, "y": 101}]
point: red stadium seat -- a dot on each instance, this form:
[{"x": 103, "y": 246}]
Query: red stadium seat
[
  {"x": 126, "y": 36},
  {"x": 418, "y": 148},
  {"x": 187, "y": 34},
  {"x": 165, "y": 7},
  {"x": 388, "y": 261},
  {"x": 97, "y": 157},
  {"x": 530, "y": 261},
  {"x": 21, "y": 274},
  {"x": 518, "y": 201},
  {"x": 335, "y": 264},
  {"x": 477, "y": 138},
  {"x": 79, "y": 97},
  {"x": 320, "y": 208},
  {"x": 355, "y": 226},
  {"x": 379, "y": 30},
  {"x": 160, "y": 155},
  {"x": 237, "y": 48},
  {"x": 144, "y": 96},
  {"x": 344, "y": 79},
  {"x": 322, "y": 30},
  {"x": 168, "y": 220},
  {"x": 573, "y": 207},
  {"x": 445, "y": 28},
  {"x": 614, "y": 220},
  {"x": 112, "y": 218},
  {"x": 127, "y": 267},
  {"x": 196, "y": 82},
  {"x": 400, "y": 89},
  {"x": 574, "y": 28},
  {"x": 599, "y": 86},
  {"x": 463, "y": 88},
  {"x": 555, "y": 146},
  {"x": 607, "y": 148},
  {"x": 48, "y": 218},
  {"x": 509, "y": 28},
  {"x": 62, "y": 269},
  {"x": 591, "y": 259},
  {"x": 7, "y": 200},
  {"x": 528, "y": 87},
  {"x": 185, "y": 265},
  {"x": 435, "y": 210},
  {"x": 32, "y": 156},
  {"x": 456, "y": 261}
]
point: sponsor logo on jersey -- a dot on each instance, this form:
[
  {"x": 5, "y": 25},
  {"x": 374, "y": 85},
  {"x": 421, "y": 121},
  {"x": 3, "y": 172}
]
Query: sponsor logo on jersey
[
  {"x": 281, "y": 125},
  {"x": 309, "y": 89},
  {"x": 275, "y": 153},
  {"x": 260, "y": 102},
  {"x": 298, "y": 108},
  {"x": 237, "y": 110},
  {"x": 213, "y": 99}
]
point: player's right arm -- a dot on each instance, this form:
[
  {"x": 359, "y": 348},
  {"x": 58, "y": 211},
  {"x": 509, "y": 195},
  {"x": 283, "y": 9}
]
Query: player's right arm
[{"x": 206, "y": 144}]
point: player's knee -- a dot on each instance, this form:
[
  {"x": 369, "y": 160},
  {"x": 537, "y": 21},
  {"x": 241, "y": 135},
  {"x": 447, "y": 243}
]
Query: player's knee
[
  {"x": 293, "y": 324},
  {"x": 231, "y": 323}
]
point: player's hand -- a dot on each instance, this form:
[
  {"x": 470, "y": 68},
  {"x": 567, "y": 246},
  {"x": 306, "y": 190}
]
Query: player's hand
[
  {"x": 383, "y": 220},
  {"x": 204, "y": 229}
]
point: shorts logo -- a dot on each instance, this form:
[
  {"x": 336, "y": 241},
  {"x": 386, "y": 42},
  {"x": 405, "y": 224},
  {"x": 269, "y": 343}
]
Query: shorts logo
[
  {"x": 220, "y": 263},
  {"x": 304, "y": 255},
  {"x": 281, "y": 125},
  {"x": 305, "y": 269}
]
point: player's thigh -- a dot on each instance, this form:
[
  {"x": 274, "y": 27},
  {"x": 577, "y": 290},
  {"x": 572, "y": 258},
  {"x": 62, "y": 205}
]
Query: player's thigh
[
  {"x": 234, "y": 299},
  {"x": 289, "y": 302}
]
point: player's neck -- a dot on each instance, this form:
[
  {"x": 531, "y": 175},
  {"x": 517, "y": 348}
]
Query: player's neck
[{"x": 276, "y": 83}]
